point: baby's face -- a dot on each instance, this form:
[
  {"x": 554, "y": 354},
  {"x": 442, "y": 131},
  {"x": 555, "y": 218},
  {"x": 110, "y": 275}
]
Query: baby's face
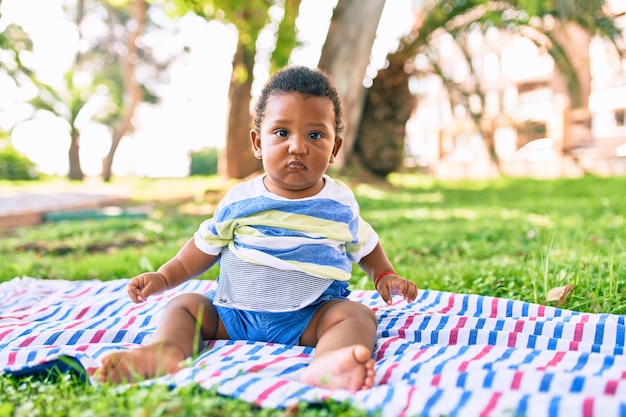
[{"x": 296, "y": 142}]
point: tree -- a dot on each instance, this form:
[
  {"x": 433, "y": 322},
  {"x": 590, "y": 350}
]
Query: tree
[
  {"x": 529, "y": 18},
  {"x": 250, "y": 18},
  {"x": 389, "y": 102},
  {"x": 67, "y": 104},
  {"x": 388, "y": 106},
  {"x": 13, "y": 40},
  {"x": 13, "y": 165},
  {"x": 569, "y": 36},
  {"x": 115, "y": 59},
  {"x": 132, "y": 90},
  {"x": 345, "y": 57},
  {"x": 106, "y": 69}
]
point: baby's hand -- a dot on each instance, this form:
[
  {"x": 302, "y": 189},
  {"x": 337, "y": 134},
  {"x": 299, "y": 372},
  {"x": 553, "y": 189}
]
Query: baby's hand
[
  {"x": 391, "y": 284},
  {"x": 146, "y": 284}
]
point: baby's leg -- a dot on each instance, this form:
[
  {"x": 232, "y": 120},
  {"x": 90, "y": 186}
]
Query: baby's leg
[
  {"x": 344, "y": 334},
  {"x": 175, "y": 339}
]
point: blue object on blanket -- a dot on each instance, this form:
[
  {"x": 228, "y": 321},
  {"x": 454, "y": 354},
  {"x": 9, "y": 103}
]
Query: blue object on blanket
[{"x": 445, "y": 354}]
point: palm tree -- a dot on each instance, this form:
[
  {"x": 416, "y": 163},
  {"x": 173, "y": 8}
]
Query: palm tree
[
  {"x": 569, "y": 35},
  {"x": 389, "y": 102},
  {"x": 546, "y": 22}
]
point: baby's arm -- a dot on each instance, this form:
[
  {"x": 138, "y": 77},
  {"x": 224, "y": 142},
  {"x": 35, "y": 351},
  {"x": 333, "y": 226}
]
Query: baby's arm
[
  {"x": 188, "y": 263},
  {"x": 375, "y": 264}
]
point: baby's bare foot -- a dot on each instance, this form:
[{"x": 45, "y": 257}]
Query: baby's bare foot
[
  {"x": 350, "y": 368},
  {"x": 144, "y": 362}
]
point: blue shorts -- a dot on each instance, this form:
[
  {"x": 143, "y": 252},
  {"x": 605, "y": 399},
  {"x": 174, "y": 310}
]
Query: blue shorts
[{"x": 275, "y": 327}]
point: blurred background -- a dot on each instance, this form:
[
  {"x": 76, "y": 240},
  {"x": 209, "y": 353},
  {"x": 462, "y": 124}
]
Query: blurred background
[{"x": 451, "y": 88}]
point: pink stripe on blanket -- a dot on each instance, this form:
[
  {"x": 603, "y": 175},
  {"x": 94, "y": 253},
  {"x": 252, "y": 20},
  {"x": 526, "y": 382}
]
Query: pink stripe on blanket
[
  {"x": 455, "y": 331},
  {"x": 493, "y": 401},
  {"x": 265, "y": 394}
]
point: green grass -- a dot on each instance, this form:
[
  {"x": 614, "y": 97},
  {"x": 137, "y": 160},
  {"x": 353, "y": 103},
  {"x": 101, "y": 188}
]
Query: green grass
[
  {"x": 68, "y": 396},
  {"x": 513, "y": 238}
]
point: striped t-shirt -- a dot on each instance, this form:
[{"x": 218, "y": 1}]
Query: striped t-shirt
[{"x": 286, "y": 252}]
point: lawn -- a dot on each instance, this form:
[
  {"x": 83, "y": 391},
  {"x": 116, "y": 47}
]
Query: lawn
[{"x": 513, "y": 238}]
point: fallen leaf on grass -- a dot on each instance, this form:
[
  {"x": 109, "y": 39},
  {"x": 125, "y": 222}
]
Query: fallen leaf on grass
[
  {"x": 559, "y": 294},
  {"x": 292, "y": 410}
]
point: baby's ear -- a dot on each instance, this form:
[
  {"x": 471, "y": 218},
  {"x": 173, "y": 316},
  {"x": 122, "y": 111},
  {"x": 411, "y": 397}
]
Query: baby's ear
[
  {"x": 255, "y": 140},
  {"x": 336, "y": 147}
]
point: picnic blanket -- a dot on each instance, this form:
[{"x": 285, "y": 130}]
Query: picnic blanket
[{"x": 445, "y": 354}]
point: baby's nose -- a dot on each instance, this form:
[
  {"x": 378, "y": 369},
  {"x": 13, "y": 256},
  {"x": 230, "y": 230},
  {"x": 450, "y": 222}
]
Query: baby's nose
[{"x": 297, "y": 144}]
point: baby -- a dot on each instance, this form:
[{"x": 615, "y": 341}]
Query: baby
[{"x": 285, "y": 242}]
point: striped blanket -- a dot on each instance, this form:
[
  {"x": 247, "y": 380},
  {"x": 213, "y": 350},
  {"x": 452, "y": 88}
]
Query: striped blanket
[{"x": 445, "y": 354}]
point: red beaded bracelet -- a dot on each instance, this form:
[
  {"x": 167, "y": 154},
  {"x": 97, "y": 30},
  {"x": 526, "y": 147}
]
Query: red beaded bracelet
[{"x": 382, "y": 274}]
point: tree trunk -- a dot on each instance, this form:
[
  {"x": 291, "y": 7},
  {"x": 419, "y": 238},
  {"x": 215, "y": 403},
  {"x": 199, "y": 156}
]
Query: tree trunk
[
  {"x": 75, "y": 172},
  {"x": 575, "y": 41},
  {"x": 237, "y": 159},
  {"x": 132, "y": 90},
  {"x": 345, "y": 57},
  {"x": 388, "y": 107},
  {"x": 487, "y": 128}
]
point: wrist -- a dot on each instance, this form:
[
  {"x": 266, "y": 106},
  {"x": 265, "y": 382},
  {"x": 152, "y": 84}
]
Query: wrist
[
  {"x": 379, "y": 276},
  {"x": 164, "y": 279}
]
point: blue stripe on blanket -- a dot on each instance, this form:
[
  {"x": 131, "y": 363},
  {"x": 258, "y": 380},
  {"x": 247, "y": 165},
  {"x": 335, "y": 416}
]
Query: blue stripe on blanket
[{"x": 445, "y": 354}]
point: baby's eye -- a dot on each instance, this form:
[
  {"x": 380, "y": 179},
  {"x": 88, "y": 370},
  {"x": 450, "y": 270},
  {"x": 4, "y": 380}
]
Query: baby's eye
[
  {"x": 315, "y": 135},
  {"x": 282, "y": 133}
]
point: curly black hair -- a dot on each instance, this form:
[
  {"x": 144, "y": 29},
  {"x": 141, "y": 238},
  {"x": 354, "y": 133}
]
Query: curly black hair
[{"x": 302, "y": 80}]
